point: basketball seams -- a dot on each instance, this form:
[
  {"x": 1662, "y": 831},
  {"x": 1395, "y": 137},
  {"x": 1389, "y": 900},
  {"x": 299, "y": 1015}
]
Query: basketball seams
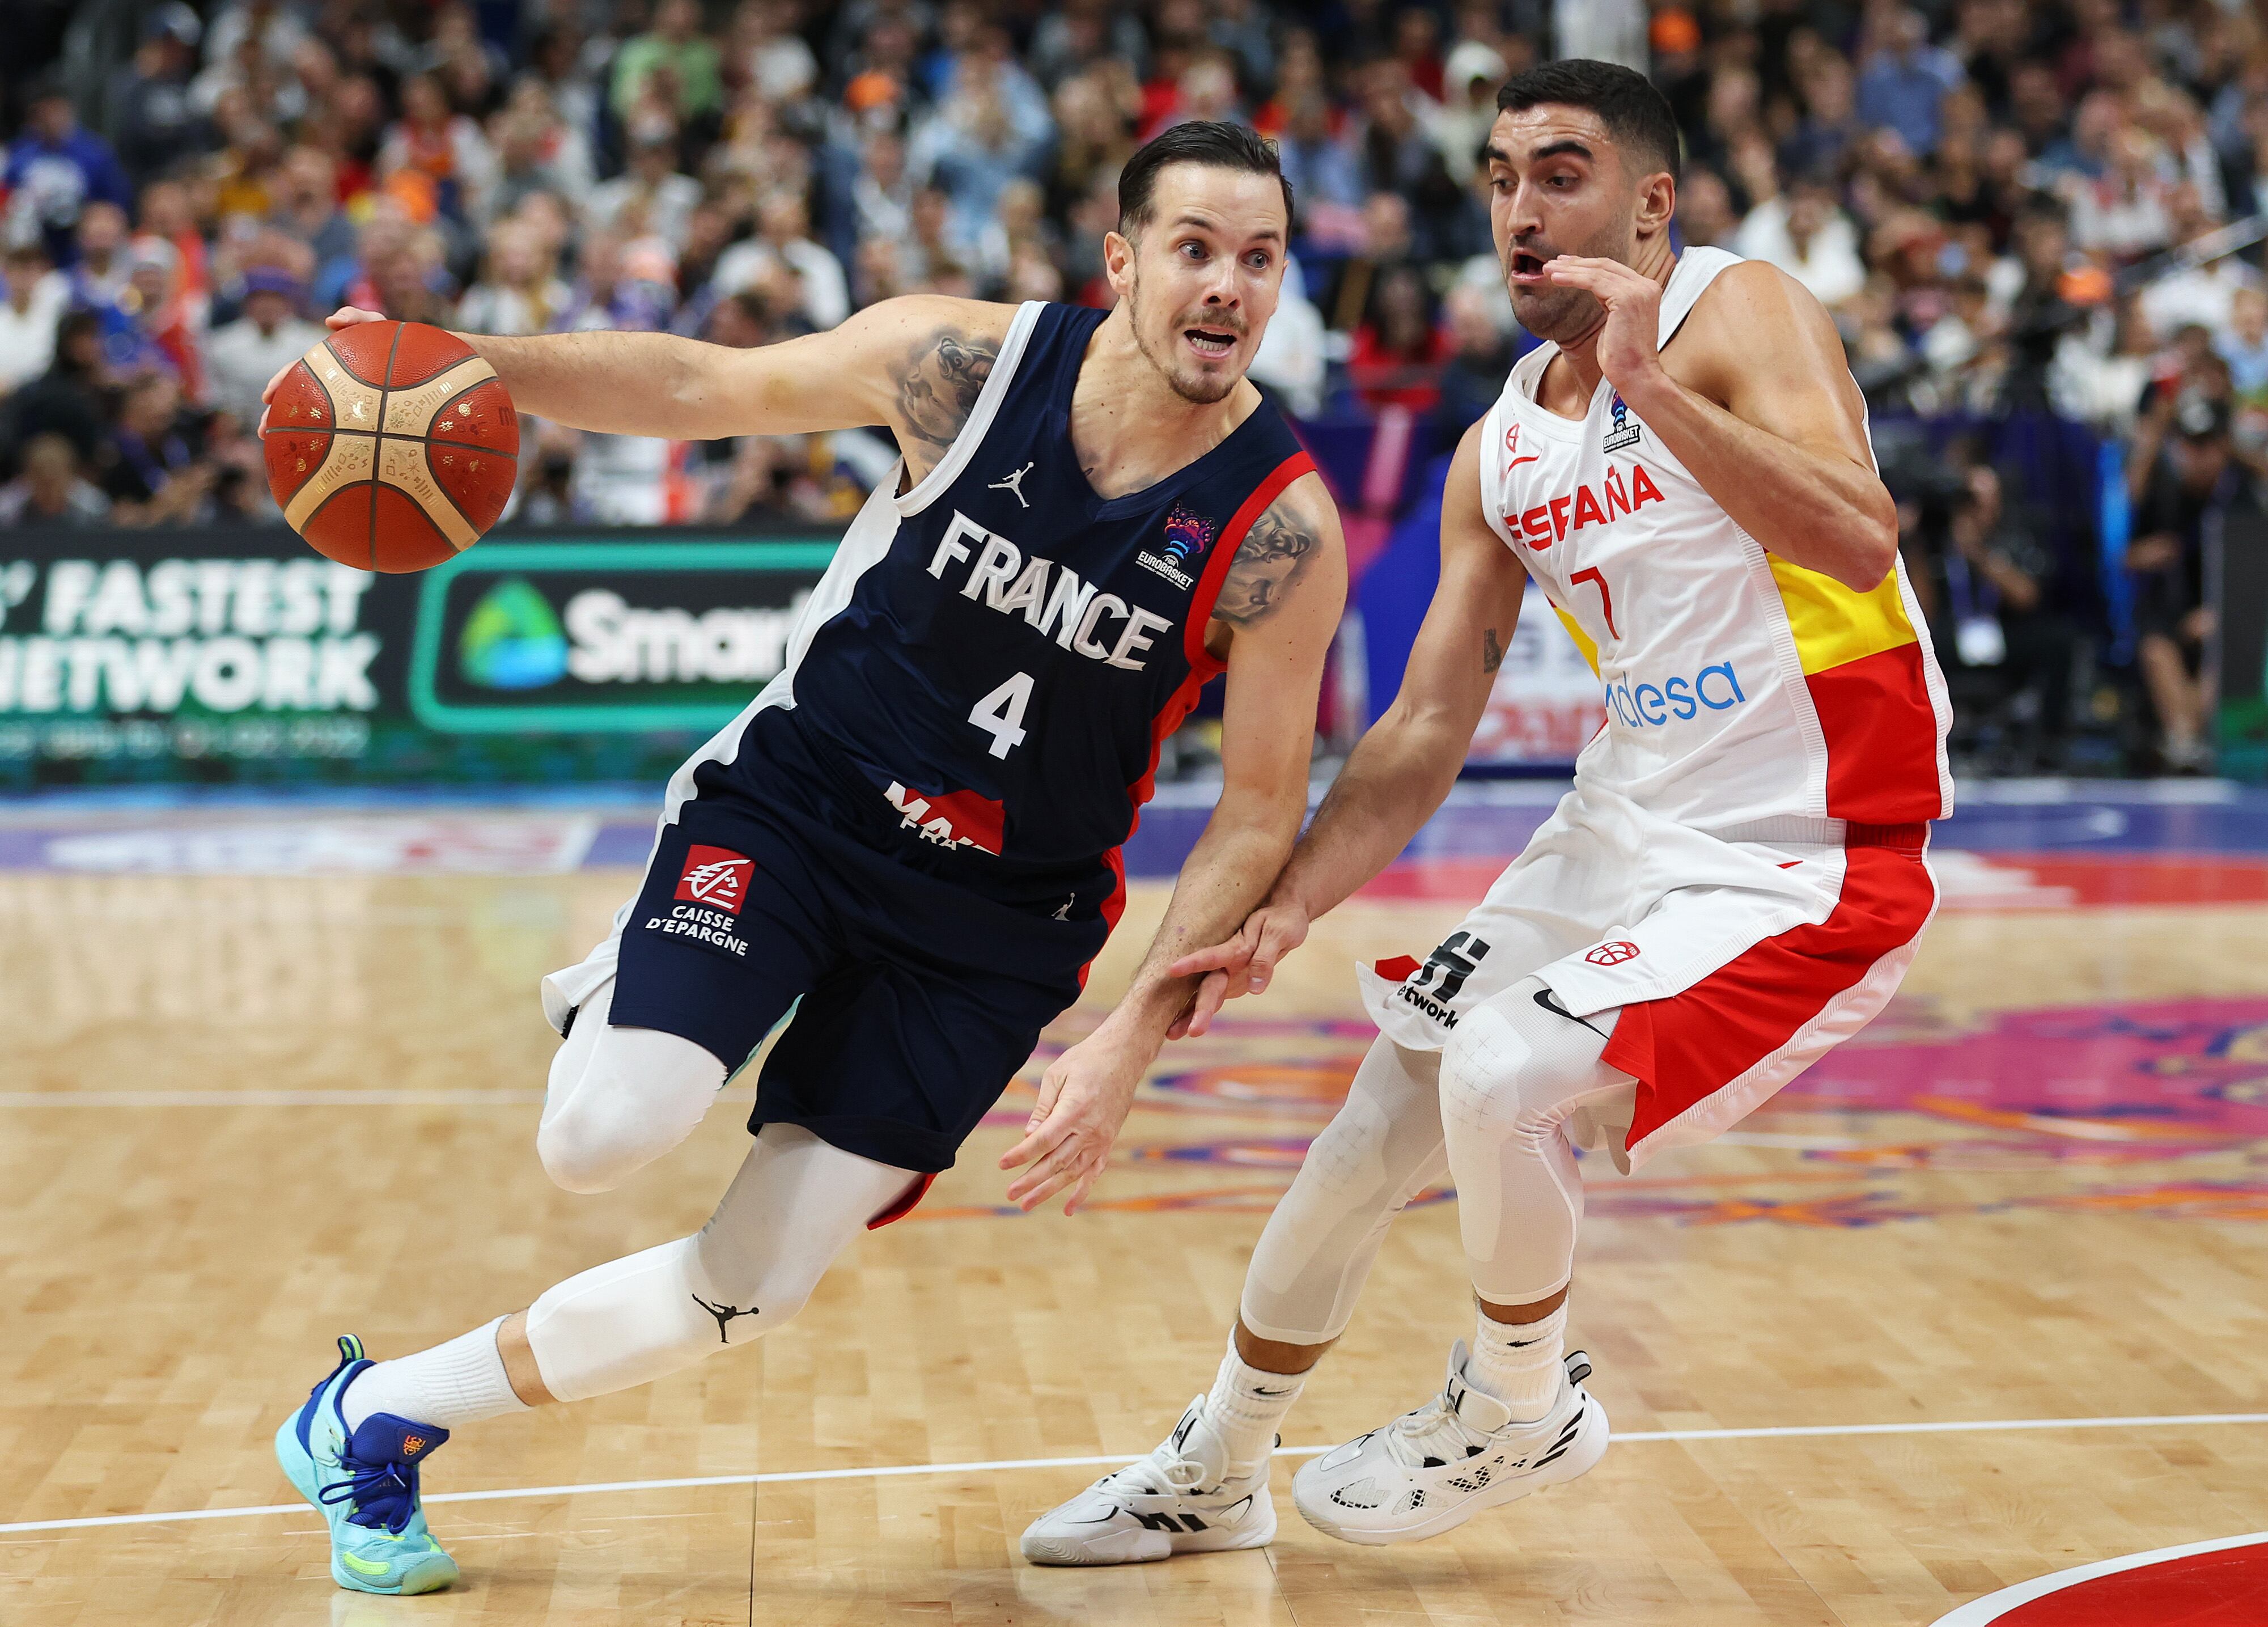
[{"x": 378, "y": 451}]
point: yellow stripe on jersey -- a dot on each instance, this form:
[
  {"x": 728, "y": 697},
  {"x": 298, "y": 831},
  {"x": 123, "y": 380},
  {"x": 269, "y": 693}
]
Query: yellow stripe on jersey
[
  {"x": 1582, "y": 640},
  {"x": 1835, "y": 625}
]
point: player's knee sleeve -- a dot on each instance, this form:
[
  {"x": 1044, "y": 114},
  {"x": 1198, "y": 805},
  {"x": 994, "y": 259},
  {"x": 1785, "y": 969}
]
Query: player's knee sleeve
[
  {"x": 1514, "y": 1073},
  {"x": 791, "y": 1208},
  {"x": 795, "y": 1203},
  {"x": 639, "y": 1093},
  {"x": 1380, "y": 1149}
]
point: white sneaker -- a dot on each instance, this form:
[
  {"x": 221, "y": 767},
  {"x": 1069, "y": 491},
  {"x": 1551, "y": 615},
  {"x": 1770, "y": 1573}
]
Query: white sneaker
[
  {"x": 1431, "y": 1470},
  {"x": 1178, "y": 1500}
]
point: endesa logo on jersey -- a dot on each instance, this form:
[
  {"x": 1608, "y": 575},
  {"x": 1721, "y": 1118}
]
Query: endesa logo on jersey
[
  {"x": 1675, "y": 700},
  {"x": 1549, "y": 522},
  {"x": 1048, "y": 596}
]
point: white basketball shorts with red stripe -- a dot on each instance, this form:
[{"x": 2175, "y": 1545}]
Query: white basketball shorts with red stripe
[{"x": 1739, "y": 957}]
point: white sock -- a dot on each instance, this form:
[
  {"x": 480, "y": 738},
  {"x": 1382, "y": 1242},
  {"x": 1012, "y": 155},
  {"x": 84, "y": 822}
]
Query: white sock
[
  {"x": 1519, "y": 1362},
  {"x": 1246, "y": 1405},
  {"x": 452, "y": 1384}
]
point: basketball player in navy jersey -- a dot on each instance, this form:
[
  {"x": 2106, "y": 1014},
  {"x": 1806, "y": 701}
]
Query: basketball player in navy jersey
[{"x": 914, "y": 830}]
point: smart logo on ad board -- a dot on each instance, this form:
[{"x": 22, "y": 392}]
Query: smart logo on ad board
[{"x": 601, "y": 636}]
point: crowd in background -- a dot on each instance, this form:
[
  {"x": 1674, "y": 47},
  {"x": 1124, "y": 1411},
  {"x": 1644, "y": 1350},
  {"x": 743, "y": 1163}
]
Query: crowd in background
[{"x": 1968, "y": 185}]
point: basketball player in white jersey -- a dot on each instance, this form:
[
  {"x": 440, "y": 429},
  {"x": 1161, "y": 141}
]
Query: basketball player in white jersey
[{"x": 1735, "y": 884}]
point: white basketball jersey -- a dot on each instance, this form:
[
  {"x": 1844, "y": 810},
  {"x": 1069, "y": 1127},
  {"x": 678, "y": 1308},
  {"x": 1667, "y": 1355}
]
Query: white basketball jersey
[{"x": 1742, "y": 690}]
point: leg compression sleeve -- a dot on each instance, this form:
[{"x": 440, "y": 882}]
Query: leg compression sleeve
[
  {"x": 793, "y": 1206},
  {"x": 1513, "y": 1074},
  {"x": 1383, "y": 1149},
  {"x": 619, "y": 1098}
]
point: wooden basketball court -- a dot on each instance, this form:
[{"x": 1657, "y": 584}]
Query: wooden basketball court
[{"x": 1981, "y": 1298}]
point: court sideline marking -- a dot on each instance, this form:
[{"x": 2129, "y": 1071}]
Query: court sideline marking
[{"x": 1778, "y": 1432}]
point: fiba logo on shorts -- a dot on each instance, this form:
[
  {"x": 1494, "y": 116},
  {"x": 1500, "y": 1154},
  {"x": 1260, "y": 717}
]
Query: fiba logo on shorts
[
  {"x": 717, "y": 876},
  {"x": 1613, "y": 954}
]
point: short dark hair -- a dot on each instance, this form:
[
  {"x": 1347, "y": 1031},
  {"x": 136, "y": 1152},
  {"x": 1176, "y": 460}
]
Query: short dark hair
[
  {"x": 1635, "y": 114},
  {"x": 1212, "y": 142}
]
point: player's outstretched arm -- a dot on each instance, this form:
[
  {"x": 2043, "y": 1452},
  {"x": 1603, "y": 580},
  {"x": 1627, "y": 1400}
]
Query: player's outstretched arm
[
  {"x": 1767, "y": 417},
  {"x": 1403, "y": 768},
  {"x": 914, "y": 364},
  {"x": 1281, "y": 602}
]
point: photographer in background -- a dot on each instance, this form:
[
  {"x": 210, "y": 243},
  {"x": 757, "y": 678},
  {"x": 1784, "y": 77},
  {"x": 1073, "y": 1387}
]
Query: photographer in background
[
  {"x": 1986, "y": 581},
  {"x": 2182, "y": 478}
]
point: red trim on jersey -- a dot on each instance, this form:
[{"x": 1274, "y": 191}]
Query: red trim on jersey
[
  {"x": 1881, "y": 732},
  {"x": 1685, "y": 1049},
  {"x": 903, "y": 1205},
  {"x": 1215, "y": 572},
  {"x": 1203, "y": 668}
]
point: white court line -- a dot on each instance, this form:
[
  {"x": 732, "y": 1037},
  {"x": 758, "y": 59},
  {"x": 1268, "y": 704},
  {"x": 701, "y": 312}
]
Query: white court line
[{"x": 1780, "y": 1432}]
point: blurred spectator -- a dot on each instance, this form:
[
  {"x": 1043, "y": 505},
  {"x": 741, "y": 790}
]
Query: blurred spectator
[
  {"x": 652, "y": 196},
  {"x": 1480, "y": 357},
  {"x": 674, "y": 61},
  {"x": 981, "y": 137},
  {"x": 69, "y": 399},
  {"x": 1291, "y": 360},
  {"x": 1986, "y": 582},
  {"x": 443, "y": 148},
  {"x": 519, "y": 292},
  {"x": 1806, "y": 234},
  {"x": 56, "y": 169},
  {"x": 2182, "y": 477},
  {"x": 157, "y": 124},
  {"x": 306, "y": 208},
  {"x": 50, "y": 491},
  {"x": 782, "y": 246},
  {"x": 37, "y": 295},
  {"x": 1398, "y": 351},
  {"x": 153, "y": 476},
  {"x": 1903, "y": 83},
  {"x": 2198, "y": 295},
  {"x": 270, "y": 336}
]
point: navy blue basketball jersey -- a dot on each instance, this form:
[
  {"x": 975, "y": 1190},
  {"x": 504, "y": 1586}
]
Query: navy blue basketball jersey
[{"x": 998, "y": 652}]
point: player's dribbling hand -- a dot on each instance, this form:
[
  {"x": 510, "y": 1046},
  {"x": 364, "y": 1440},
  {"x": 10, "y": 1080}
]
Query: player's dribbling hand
[
  {"x": 345, "y": 316},
  {"x": 1084, "y": 1098},
  {"x": 1241, "y": 965},
  {"x": 1630, "y": 345}
]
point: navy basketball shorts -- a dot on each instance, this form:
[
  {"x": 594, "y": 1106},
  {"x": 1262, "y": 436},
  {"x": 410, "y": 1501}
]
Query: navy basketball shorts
[{"x": 920, "y": 998}]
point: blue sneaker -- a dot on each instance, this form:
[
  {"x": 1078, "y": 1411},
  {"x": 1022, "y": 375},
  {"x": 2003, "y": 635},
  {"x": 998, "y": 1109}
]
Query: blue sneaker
[{"x": 364, "y": 1485}]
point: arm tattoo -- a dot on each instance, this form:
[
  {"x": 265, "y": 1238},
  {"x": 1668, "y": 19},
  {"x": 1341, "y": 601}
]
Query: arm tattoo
[
  {"x": 943, "y": 378},
  {"x": 1491, "y": 651},
  {"x": 1273, "y": 554}
]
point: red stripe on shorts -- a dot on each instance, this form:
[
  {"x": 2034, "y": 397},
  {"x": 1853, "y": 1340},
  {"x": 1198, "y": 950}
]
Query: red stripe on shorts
[{"x": 1683, "y": 1049}]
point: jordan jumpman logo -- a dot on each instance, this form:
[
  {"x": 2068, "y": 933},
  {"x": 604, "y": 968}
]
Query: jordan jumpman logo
[
  {"x": 1013, "y": 484},
  {"x": 722, "y": 1313}
]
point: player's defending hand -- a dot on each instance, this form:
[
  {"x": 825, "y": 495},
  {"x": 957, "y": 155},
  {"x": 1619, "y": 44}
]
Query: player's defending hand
[
  {"x": 1628, "y": 346},
  {"x": 345, "y": 316},
  {"x": 1084, "y": 1099},
  {"x": 1243, "y": 965}
]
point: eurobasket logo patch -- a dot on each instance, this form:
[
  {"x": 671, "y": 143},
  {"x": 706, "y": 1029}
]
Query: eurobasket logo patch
[
  {"x": 1187, "y": 535},
  {"x": 1613, "y": 954},
  {"x": 717, "y": 876}
]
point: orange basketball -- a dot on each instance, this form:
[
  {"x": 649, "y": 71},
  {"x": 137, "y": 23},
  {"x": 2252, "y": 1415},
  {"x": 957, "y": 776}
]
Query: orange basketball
[{"x": 391, "y": 446}]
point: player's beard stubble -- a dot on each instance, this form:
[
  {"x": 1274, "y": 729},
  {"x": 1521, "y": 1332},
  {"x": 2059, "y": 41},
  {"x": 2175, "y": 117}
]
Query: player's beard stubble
[
  {"x": 1564, "y": 315},
  {"x": 1162, "y": 351}
]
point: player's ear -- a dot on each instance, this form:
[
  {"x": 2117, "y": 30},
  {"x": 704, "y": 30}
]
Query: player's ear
[
  {"x": 1118, "y": 262},
  {"x": 1657, "y": 202}
]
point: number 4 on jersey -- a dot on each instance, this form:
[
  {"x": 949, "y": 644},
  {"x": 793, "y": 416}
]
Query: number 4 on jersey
[{"x": 1001, "y": 714}]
